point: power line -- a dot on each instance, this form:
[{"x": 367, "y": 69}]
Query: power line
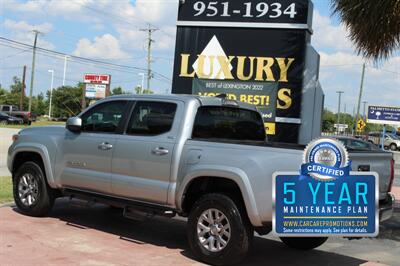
[
  {"x": 21, "y": 52},
  {"x": 115, "y": 16},
  {"x": 84, "y": 59}
]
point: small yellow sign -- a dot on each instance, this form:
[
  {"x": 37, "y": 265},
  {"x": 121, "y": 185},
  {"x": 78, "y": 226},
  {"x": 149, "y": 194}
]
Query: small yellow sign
[
  {"x": 361, "y": 125},
  {"x": 269, "y": 128}
]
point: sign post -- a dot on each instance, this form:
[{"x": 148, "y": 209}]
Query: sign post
[
  {"x": 96, "y": 87},
  {"x": 260, "y": 43},
  {"x": 383, "y": 115}
]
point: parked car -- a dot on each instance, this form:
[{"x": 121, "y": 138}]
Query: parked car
[
  {"x": 391, "y": 141},
  {"x": 12, "y": 110},
  {"x": 6, "y": 119},
  {"x": 204, "y": 158},
  {"x": 356, "y": 144}
]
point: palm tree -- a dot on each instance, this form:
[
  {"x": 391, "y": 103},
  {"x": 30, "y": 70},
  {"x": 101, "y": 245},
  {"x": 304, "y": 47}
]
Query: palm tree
[{"x": 374, "y": 25}]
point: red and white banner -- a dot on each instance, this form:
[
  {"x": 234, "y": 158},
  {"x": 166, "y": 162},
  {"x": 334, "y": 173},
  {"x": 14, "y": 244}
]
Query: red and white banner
[{"x": 96, "y": 79}]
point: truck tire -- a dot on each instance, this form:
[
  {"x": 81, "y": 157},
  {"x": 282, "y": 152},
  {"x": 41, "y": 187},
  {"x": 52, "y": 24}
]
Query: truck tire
[
  {"x": 32, "y": 195},
  {"x": 304, "y": 243},
  {"x": 218, "y": 233},
  {"x": 393, "y": 147}
]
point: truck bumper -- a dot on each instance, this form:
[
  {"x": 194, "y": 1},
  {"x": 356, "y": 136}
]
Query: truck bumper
[{"x": 386, "y": 208}]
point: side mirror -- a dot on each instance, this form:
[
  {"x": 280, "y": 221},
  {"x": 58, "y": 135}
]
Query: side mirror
[{"x": 74, "y": 124}]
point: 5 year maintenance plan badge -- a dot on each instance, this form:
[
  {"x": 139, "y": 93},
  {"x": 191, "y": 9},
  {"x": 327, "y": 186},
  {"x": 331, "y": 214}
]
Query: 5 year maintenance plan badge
[{"x": 325, "y": 198}]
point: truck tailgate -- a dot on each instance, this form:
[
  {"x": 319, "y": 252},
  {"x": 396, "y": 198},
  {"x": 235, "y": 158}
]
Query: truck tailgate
[{"x": 374, "y": 161}]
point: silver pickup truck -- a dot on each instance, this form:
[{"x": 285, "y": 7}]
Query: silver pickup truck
[{"x": 205, "y": 158}]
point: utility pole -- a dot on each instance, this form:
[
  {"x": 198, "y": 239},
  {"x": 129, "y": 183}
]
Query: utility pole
[
  {"x": 21, "y": 100},
  {"x": 33, "y": 70},
  {"x": 338, "y": 113},
  {"x": 149, "y": 31},
  {"x": 359, "y": 97},
  {"x": 65, "y": 68}
]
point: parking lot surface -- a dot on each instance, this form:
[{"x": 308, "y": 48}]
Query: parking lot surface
[{"x": 99, "y": 235}]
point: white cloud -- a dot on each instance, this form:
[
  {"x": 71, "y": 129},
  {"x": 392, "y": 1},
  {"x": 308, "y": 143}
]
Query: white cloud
[
  {"x": 24, "y": 26},
  {"x": 29, "y": 6},
  {"x": 103, "y": 47},
  {"x": 126, "y": 17},
  {"x": 327, "y": 35},
  {"x": 22, "y": 31}
]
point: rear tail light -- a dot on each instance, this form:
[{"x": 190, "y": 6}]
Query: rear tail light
[{"x": 391, "y": 175}]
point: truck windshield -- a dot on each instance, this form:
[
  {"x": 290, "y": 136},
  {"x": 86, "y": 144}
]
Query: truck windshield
[{"x": 227, "y": 123}]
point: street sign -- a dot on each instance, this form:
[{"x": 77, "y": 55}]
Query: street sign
[
  {"x": 361, "y": 125},
  {"x": 341, "y": 127},
  {"x": 384, "y": 115}
]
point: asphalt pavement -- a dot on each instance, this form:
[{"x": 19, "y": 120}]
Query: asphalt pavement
[{"x": 76, "y": 234}]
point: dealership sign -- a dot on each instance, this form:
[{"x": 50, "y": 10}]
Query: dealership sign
[
  {"x": 97, "y": 79},
  {"x": 384, "y": 115},
  {"x": 95, "y": 91},
  {"x": 239, "y": 44},
  {"x": 326, "y": 198},
  {"x": 97, "y": 86}
]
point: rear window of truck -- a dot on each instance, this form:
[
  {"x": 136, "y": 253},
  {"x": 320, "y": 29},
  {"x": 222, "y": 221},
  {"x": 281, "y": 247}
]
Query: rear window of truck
[{"x": 227, "y": 123}]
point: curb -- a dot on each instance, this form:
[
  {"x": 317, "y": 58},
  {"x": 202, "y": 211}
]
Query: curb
[{"x": 9, "y": 204}]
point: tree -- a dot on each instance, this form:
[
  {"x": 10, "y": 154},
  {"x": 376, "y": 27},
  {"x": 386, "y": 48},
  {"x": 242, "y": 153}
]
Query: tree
[
  {"x": 117, "y": 91},
  {"x": 374, "y": 25},
  {"x": 40, "y": 106},
  {"x": 328, "y": 121},
  {"x": 140, "y": 90},
  {"x": 67, "y": 101}
]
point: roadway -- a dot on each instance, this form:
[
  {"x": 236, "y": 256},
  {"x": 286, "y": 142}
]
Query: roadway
[{"x": 5, "y": 142}]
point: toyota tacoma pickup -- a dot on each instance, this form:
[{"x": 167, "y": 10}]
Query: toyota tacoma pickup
[{"x": 205, "y": 158}]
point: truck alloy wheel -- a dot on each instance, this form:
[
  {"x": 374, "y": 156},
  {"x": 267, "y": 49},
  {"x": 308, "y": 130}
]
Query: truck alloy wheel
[
  {"x": 28, "y": 189},
  {"x": 219, "y": 232},
  {"x": 32, "y": 195},
  {"x": 213, "y": 230}
]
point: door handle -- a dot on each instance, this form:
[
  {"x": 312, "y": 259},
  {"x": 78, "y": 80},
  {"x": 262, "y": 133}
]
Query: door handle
[
  {"x": 105, "y": 146},
  {"x": 159, "y": 151}
]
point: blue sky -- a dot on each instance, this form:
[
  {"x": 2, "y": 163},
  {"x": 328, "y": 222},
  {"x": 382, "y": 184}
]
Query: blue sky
[{"x": 109, "y": 30}]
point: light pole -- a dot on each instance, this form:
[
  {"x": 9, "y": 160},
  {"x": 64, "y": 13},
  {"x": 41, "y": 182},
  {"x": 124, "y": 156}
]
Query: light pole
[
  {"x": 338, "y": 113},
  {"x": 65, "y": 68},
  {"x": 51, "y": 91},
  {"x": 365, "y": 114},
  {"x": 141, "y": 88}
]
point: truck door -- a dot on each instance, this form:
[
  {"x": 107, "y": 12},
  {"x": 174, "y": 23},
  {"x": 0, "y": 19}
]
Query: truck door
[
  {"x": 141, "y": 163},
  {"x": 86, "y": 156}
]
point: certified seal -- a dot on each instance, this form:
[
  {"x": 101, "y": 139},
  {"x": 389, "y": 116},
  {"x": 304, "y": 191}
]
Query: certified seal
[{"x": 325, "y": 159}]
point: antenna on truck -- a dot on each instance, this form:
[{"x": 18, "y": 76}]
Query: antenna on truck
[{"x": 222, "y": 96}]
